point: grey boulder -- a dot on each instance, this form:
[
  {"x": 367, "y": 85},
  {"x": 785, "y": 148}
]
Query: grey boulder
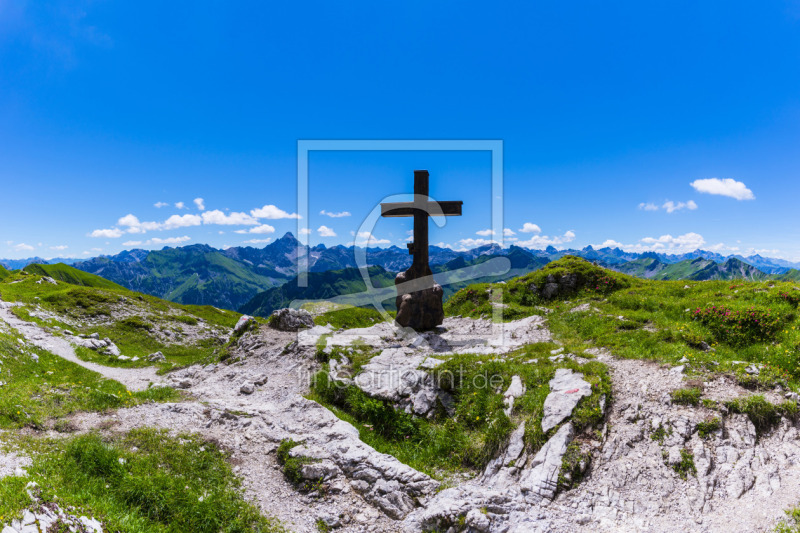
[
  {"x": 566, "y": 390},
  {"x": 289, "y": 319}
]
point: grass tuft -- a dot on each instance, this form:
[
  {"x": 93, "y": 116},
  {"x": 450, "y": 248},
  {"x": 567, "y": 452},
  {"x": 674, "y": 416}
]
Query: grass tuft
[
  {"x": 690, "y": 396},
  {"x": 145, "y": 481}
]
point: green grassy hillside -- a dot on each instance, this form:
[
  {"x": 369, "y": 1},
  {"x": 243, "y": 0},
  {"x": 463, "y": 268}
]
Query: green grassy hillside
[
  {"x": 792, "y": 275},
  {"x": 711, "y": 323},
  {"x": 198, "y": 275},
  {"x": 73, "y": 276},
  {"x": 321, "y": 285},
  {"x": 138, "y": 324},
  {"x": 4, "y": 273}
]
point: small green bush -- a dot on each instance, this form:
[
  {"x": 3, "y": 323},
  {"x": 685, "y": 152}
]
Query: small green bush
[
  {"x": 763, "y": 414},
  {"x": 708, "y": 426},
  {"x": 792, "y": 298},
  {"x": 686, "y": 465},
  {"x": 659, "y": 434},
  {"x": 291, "y": 465},
  {"x": 135, "y": 322},
  {"x": 185, "y": 319},
  {"x": 574, "y": 465},
  {"x": 689, "y": 396},
  {"x": 740, "y": 327}
]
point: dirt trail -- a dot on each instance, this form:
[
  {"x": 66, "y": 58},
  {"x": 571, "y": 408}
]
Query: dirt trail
[
  {"x": 252, "y": 425},
  {"x": 135, "y": 379},
  {"x": 743, "y": 481}
]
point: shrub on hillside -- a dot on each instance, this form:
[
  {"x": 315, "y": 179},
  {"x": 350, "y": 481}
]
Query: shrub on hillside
[
  {"x": 571, "y": 275},
  {"x": 792, "y": 298},
  {"x": 740, "y": 327}
]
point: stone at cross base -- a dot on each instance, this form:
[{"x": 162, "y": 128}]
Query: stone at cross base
[
  {"x": 421, "y": 309},
  {"x": 419, "y": 298}
]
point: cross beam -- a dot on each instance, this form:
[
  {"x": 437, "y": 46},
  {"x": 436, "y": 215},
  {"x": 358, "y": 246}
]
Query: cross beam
[{"x": 421, "y": 208}]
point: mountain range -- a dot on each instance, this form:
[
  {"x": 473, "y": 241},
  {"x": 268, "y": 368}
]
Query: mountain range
[{"x": 233, "y": 277}]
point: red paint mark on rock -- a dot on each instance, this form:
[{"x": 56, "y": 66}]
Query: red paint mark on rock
[{"x": 571, "y": 391}]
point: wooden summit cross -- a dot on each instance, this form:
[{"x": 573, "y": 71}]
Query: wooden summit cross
[{"x": 419, "y": 305}]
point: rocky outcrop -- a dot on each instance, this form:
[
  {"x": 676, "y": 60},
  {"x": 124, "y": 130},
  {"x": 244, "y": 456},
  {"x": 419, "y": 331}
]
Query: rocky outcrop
[
  {"x": 381, "y": 479},
  {"x": 539, "y": 480},
  {"x": 566, "y": 390},
  {"x": 243, "y": 322},
  {"x": 289, "y": 319},
  {"x": 396, "y": 376}
]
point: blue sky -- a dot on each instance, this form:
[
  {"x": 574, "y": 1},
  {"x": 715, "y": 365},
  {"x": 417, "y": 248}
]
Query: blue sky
[{"x": 607, "y": 112}]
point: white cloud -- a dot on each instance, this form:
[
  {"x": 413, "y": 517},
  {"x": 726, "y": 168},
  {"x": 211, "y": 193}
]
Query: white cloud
[
  {"x": 530, "y": 228},
  {"x": 134, "y": 225},
  {"x": 129, "y": 220},
  {"x": 199, "y": 203},
  {"x": 724, "y": 187},
  {"x": 335, "y": 215},
  {"x": 688, "y": 242},
  {"x": 169, "y": 240},
  {"x": 272, "y": 212},
  {"x": 183, "y": 221},
  {"x": 365, "y": 238},
  {"x": 544, "y": 240},
  {"x": 160, "y": 204},
  {"x": 180, "y": 205},
  {"x": 111, "y": 233},
  {"x": 763, "y": 251},
  {"x": 59, "y": 247},
  {"x": 485, "y": 232},
  {"x": 465, "y": 244},
  {"x": 22, "y": 246},
  {"x": 719, "y": 247},
  {"x": 670, "y": 206},
  {"x": 233, "y": 219},
  {"x": 507, "y": 232},
  {"x": 305, "y": 231},
  {"x": 259, "y": 241},
  {"x": 97, "y": 249},
  {"x": 261, "y": 230},
  {"x": 325, "y": 231},
  {"x": 648, "y": 206},
  {"x": 158, "y": 240}
]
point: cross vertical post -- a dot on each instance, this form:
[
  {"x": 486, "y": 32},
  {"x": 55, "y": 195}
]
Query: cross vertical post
[
  {"x": 419, "y": 298},
  {"x": 420, "y": 245}
]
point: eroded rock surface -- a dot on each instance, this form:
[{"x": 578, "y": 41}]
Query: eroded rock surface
[
  {"x": 289, "y": 319},
  {"x": 395, "y": 376},
  {"x": 566, "y": 390}
]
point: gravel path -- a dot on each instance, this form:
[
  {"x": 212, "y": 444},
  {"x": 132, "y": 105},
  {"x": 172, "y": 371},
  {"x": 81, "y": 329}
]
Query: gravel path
[
  {"x": 135, "y": 379},
  {"x": 742, "y": 484}
]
